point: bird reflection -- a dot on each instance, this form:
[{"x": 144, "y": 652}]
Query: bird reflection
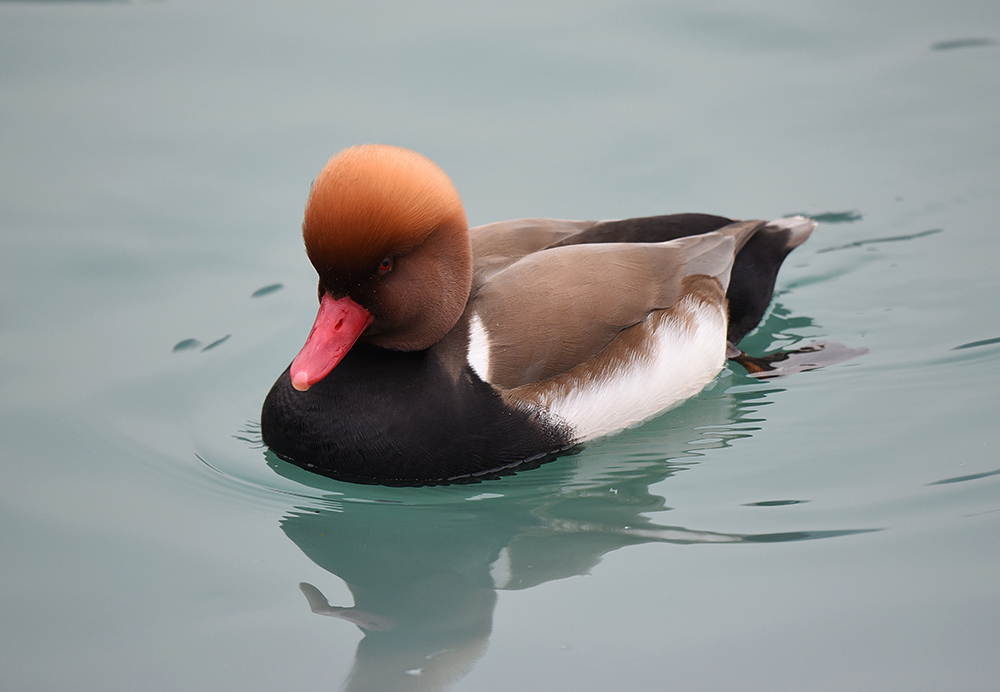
[{"x": 425, "y": 577}]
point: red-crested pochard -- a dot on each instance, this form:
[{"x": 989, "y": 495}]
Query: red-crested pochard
[{"x": 442, "y": 353}]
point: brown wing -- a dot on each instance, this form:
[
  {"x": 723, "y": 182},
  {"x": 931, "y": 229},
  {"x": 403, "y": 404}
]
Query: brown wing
[
  {"x": 496, "y": 246},
  {"x": 559, "y": 307}
]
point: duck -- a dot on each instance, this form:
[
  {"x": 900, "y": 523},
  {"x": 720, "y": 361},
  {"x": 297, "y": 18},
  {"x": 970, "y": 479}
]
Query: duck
[{"x": 447, "y": 354}]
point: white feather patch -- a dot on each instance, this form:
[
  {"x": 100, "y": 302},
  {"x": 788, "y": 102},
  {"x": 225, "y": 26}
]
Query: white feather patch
[
  {"x": 479, "y": 348},
  {"x": 686, "y": 355}
]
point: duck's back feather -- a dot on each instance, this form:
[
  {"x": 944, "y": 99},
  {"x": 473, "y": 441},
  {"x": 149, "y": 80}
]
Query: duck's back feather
[
  {"x": 647, "y": 229},
  {"x": 495, "y": 246},
  {"x": 755, "y": 270}
]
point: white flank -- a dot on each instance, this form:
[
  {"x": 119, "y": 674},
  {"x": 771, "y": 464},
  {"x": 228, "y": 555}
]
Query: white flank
[
  {"x": 686, "y": 355},
  {"x": 479, "y": 348}
]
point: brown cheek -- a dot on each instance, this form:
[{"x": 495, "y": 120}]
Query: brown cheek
[{"x": 404, "y": 299}]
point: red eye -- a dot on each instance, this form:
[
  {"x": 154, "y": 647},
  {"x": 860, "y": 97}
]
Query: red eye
[{"x": 385, "y": 265}]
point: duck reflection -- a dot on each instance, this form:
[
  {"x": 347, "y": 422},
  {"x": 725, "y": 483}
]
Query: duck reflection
[{"x": 425, "y": 577}]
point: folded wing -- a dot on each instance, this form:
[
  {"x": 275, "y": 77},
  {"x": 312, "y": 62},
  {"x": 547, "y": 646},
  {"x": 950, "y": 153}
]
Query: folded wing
[{"x": 554, "y": 309}]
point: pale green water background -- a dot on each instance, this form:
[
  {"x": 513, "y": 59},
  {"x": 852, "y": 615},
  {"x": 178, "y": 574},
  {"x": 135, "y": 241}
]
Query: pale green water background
[{"x": 835, "y": 530}]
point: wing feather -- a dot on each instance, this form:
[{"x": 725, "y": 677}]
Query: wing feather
[{"x": 556, "y": 308}]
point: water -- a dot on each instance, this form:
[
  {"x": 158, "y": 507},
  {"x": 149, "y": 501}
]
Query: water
[{"x": 835, "y": 529}]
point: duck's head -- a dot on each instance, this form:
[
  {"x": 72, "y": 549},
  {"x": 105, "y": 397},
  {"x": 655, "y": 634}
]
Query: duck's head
[{"x": 386, "y": 231}]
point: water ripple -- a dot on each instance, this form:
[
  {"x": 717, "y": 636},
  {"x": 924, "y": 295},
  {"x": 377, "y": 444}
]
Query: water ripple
[
  {"x": 887, "y": 239},
  {"x": 976, "y": 344},
  {"x": 266, "y": 290},
  {"x": 963, "y": 43},
  {"x": 970, "y": 477}
]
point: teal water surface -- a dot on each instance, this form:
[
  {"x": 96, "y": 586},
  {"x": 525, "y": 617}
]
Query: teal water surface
[{"x": 835, "y": 529}]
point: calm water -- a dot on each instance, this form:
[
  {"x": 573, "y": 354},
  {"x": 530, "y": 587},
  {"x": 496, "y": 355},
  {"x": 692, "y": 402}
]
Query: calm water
[{"x": 837, "y": 529}]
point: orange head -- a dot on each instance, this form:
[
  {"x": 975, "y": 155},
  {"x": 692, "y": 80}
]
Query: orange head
[{"x": 385, "y": 227}]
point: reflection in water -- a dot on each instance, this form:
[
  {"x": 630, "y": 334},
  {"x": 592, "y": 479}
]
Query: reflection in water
[
  {"x": 425, "y": 577},
  {"x": 876, "y": 241},
  {"x": 804, "y": 359}
]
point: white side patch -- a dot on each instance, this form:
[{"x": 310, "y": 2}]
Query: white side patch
[
  {"x": 479, "y": 348},
  {"x": 685, "y": 356}
]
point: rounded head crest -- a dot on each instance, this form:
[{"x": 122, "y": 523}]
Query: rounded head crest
[{"x": 375, "y": 201}]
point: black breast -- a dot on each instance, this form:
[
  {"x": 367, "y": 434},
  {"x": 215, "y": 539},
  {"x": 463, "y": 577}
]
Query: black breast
[{"x": 401, "y": 419}]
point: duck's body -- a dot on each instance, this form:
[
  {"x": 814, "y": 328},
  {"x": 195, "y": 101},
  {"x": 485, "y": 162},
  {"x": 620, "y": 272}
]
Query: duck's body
[{"x": 481, "y": 350}]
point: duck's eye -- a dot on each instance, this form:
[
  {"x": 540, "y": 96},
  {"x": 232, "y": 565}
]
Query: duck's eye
[{"x": 385, "y": 266}]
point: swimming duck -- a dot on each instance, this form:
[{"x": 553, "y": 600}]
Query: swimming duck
[{"x": 443, "y": 354}]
